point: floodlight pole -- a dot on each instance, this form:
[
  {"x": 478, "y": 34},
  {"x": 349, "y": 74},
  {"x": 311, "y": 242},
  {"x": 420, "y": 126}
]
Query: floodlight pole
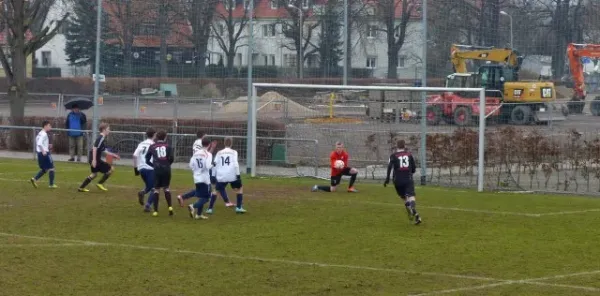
[
  {"x": 345, "y": 77},
  {"x": 249, "y": 147},
  {"x": 97, "y": 70},
  {"x": 422, "y": 150}
]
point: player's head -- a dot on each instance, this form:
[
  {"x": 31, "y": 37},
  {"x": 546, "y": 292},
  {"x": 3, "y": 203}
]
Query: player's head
[
  {"x": 46, "y": 125},
  {"x": 150, "y": 133},
  {"x": 400, "y": 144},
  {"x": 161, "y": 135},
  {"x": 228, "y": 142},
  {"x": 104, "y": 128},
  {"x": 339, "y": 147},
  {"x": 200, "y": 134},
  {"x": 205, "y": 142}
]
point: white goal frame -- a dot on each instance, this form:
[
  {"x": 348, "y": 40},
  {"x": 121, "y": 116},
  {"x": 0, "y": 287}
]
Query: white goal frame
[{"x": 252, "y": 118}]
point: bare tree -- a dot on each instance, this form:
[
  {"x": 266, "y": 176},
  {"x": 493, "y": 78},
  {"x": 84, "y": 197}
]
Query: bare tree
[
  {"x": 228, "y": 27},
  {"x": 124, "y": 18},
  {"x": 16, "y": 20},
  {"x": 200, "y": 14},
  {"x": 394, "y": 27},
  {"x": 290, "y": 28}
]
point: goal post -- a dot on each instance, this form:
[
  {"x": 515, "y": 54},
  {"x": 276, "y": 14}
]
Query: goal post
[{"x": 477, "y": 101}]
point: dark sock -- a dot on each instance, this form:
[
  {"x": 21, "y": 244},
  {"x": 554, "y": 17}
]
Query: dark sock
[
  {"x": 189, "y": 194},
  {"x": 86, "y": 182},
  {"x": 223, "y": 193},
  {"x": 213, "y": 199},
  {"x": 240, "y": 197},
  {"x": 155, "y": 199},
  {"x": 352, "y": 180},
  {"x": 324, "y": 188},
  {"x": 39, "y": 174},
  {"x": 168, "y": 197},
  {"x": 51, "y": 176},
  {"x": 413, "y": 207},
  {"x": 104, "y": 178},
  {"x": 150, "y": 200},
  {"x": 199, "y": 205}
]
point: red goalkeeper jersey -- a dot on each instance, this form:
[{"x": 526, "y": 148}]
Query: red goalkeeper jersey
[{"x": 333, "y": 157}]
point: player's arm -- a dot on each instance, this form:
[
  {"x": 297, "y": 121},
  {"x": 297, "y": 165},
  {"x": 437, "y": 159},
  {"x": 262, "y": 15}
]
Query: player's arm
[
  {"x": 413, "y": 165},
  {"x": 170, "y": 155},
  {"x": 332, "y": 159},
  {"x": 136, "y": 154},
  {"x": 192, "y": 163},
  {"x": 236, "y": 164},
  {"x": 389, "y": 168},
  {"x": 149, "y": 155},
  {"x": 97, "y": 144},
  {"x": 208, "y": 161}
]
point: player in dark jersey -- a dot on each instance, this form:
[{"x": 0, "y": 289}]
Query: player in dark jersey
[
  {"x": 97, "y": 165},
  {"x": 403, "y": 164},
  {"x": 160, "y": 157}
]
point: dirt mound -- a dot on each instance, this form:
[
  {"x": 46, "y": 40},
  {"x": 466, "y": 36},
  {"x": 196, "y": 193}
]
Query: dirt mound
[{"x": 270, "y": 104}]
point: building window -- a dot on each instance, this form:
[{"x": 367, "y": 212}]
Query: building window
[
  {"x": 312, "y": 61},
  {"x": 289, "y": 60},
  {"x": 272, "y": 57},
  {"x": 268, "y": 30},
  {"x": 371, "y": 62},
  {"x": 229, "y": 4},
  {"x": 254, "y": 58},
  {"x": 46, "y": 59},
  {"x": 401, "y": 61},
  {"x": 371, "y": 31},
  {"x": 274, "y": 4},
  {"x": 305, "y": 4},
  {"x": 238, "y": 57}
]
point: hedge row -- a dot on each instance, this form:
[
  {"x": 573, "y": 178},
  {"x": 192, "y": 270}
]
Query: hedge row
[
  {"x": 126, "y": 143},
  {"x": 134, "y": 85}
]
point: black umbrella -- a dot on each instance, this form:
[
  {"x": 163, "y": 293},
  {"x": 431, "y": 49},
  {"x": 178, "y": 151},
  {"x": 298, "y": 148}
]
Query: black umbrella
[{"x": 81, "y": 103}]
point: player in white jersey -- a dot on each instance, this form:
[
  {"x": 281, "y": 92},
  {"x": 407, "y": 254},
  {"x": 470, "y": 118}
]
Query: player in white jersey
[
  {"x": 201, "y": 163},
  {"x": 227, "y": 171},
  {"x": 141, "y": 168},
  {"x": 42, "y": 147}
]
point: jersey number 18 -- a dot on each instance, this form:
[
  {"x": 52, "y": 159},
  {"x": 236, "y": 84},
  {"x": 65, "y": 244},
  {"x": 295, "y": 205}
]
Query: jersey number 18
[{"x": 161, "y": 152}]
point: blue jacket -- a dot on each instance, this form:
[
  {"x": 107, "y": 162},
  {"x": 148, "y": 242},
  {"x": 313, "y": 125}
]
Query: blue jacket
[{"x": 76, "y": 121}]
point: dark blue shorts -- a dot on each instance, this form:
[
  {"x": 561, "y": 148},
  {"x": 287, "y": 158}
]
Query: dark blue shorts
[
  {"x": 202, "y": 190},
  {"x": 45, "y": 162},
  {"x": 237, "y": 184},
  {"x": 148, "y": 178}
]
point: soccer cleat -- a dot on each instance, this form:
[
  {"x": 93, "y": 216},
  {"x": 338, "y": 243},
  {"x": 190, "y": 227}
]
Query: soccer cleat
[
  {"x": 230, "y": 204},
  {"x": 314, "y": 188},
  {"x": 141, "y": 198},
  {"x": 240, "y": 210},
  {"x": 147, "y": 209},
  {"x": 33, "y": 182},
  {"x": 352, "y": 189},
  {"x": 208, "y": 211},
  {"x": 155, "y": 214},
  {"x": 53, "y": 186},
  {"x": 101, "y": 187},
  {"x": 418, "y": 219},
  {"x": 200, "y": 217},
  {"x": 83, "y": 190},
  {"x": 192, "y": 211},
  {"x": 180, "y": 200},
  {"x": 171, "y": 211}
]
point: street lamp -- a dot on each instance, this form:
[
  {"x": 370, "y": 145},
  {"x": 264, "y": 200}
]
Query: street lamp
[
  {"x": 300, "y": 38},
  {"x": 512, "y": 45}
]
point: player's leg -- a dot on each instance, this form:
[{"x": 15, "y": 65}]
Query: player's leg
[
  {"x": 166, "y": 187},
  {"x": 239, "y": 190},
  {"x": 51, "y": 171},
  {"x": 107, "y": 170},
  {"x": 187, "y": 195},
  {"x": 142, "y": 192},
  {"x": 410, "y": 198},
  {"x": 155, "y": 198},
  {"x": 149, "y": 181},
  {"x": 42, "y": 171},
  {"x": 216, "y": 188},
  {"x": 203, "y": 193},
  {"x": 401, "y": 191},
  {"x": 88, "y": 179},
  {"x": 335, "y": 180},
  {"x": 352, "y": 172}
]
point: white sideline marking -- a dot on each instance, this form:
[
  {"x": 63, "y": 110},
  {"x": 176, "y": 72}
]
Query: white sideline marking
[
  {"x": 251, "y": 258},
  {"x": 43, "y": 245},
  {"x": 532, "y": 281},
  {"x": 536, "y": 215}
]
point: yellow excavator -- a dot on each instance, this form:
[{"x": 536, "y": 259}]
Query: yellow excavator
[{"x": 523, "y": 102}]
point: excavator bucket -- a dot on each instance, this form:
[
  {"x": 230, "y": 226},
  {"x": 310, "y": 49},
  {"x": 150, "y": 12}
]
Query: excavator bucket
[{"x": 551, "y": 112}]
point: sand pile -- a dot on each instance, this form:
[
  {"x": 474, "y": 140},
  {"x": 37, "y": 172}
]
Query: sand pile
[{"x": 271, "y": 104}]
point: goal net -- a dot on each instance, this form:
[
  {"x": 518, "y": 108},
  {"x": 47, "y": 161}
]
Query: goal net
[{"x": 441, "y": 126}]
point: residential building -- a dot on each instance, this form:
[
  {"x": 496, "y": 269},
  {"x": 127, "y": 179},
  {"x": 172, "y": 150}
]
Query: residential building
[{"x": 28, "y": 61}]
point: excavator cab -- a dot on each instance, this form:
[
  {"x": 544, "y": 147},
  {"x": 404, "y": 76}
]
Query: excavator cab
[{"x": 493, "y": 77}]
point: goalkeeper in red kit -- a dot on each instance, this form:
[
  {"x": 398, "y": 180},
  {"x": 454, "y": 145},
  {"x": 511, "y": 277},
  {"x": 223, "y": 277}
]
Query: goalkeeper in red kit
[{"x": 336, "y": 174}]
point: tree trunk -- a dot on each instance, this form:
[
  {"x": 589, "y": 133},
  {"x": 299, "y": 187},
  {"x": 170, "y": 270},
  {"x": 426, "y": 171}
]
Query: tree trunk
[
  {"x": 17, "y": 94},
  {"x": 349, "y": 50},
  {"x": 162, "y": 26},
  {"x": 392, "y": 70},
  {"x": 230, "y": 58},
  {"x": 127, "y": 59}
]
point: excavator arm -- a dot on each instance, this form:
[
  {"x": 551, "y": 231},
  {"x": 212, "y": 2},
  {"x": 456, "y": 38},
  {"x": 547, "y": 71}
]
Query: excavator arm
[
  {"x": 575, "y": 52},
  {"x": 459, "y": 54}
]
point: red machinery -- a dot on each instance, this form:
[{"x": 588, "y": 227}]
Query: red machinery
[{"x": 576, "y": 52}]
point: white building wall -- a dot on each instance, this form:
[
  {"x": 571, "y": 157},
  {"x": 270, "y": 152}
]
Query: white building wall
[{"x": 55, "y": 48}]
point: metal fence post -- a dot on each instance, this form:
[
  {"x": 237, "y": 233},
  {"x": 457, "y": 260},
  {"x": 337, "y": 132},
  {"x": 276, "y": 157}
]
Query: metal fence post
[
  {"x": 136, "y": 107},
  {"x": 210, "y": 109},
  {"x": 60, "y": 105},
  {"x": 316, "y": 158},
  {"x": 33, "y": 142},
  {"x": 175, "y": 125}
]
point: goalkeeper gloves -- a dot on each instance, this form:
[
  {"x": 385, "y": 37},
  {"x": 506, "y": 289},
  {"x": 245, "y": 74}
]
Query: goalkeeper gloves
[{"x": 136, "y": 172}]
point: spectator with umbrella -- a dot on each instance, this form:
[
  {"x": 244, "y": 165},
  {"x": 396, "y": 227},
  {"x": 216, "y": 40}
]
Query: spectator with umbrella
[{"x": 75, "y": 123}]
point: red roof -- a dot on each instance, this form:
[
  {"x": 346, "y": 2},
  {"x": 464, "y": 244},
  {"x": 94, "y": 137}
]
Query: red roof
[{"x": 28, "y": 36}]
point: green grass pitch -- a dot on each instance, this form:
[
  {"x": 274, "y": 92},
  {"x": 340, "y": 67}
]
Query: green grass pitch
[{"x": 291, "y": 241}]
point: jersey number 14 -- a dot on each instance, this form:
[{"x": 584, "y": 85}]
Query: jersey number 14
[{"x": 224, "y": 160}]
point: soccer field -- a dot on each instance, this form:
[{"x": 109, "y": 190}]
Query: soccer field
[{"x": 291, "y": 241}]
